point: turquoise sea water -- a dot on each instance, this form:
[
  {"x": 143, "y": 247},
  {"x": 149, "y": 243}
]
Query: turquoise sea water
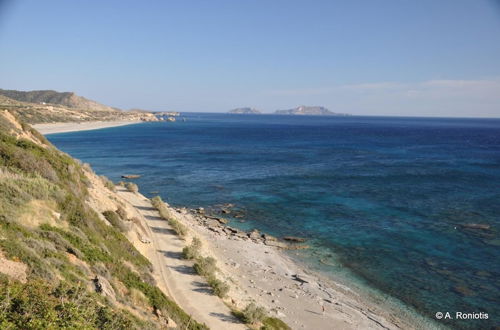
[{"x": 386, "y": 198}]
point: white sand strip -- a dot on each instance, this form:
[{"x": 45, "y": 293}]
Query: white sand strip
[{"x": 53, "y": 128}]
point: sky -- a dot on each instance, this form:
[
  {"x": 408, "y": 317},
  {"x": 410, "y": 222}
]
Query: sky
[{"x": 372, "y": 57}]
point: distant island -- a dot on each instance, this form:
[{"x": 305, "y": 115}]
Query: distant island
[
  {"x": 306, "y": 110},
  {"x": 245, "y": 111}
]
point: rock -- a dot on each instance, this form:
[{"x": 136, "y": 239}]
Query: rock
[
  {"x": 213, "y": 223},
  {"x": 254, "y": 234},
  {"x": 463, "y": 290},
  {"x": 277, "y": 244},
  {"x": 294, "y": 239},
  {"x": 268, "y": 237},
  {"x": 239, "y": 215},
  {"x": 131, "y": 176},
  {"x": 298, "y": 247},
  {"x": 200, "y": 210},
  {"x": 144, "y": 240},
  {"x": 302, "y": 278},
  {"x": 233, "y": 230},
  {"x": 481, "y": 226},
  {"x": 222, "y": 220},
  {"x": 102, "y": 286},
  {"x": 170, "y": 323}
]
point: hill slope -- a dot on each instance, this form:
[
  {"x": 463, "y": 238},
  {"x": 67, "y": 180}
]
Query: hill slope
[
  {"x": 66, "y": 253},
  {"x": 67, "y": 99},
  {"x": 71, "y": 108}
]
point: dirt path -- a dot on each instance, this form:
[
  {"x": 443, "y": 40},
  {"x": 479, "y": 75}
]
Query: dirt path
[{"x": 187, "y": 289}]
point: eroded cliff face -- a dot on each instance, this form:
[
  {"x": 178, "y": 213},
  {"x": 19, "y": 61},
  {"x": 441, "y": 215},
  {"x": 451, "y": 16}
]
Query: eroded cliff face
[{"x": 70, "y": 247}]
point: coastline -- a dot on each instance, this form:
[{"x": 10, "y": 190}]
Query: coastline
[
  {"x": 255, "y": 271},
  {"x": 53, "y": 128},
  {"x": 266, "y": 274}
]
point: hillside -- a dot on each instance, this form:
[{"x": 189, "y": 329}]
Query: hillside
[
  {"x": 245, "y": 111},
  {"x": 63, "y": 107},
  {"x": 69, "y": 252},
  {"x": 306, "y": 110},
  {"x": 66, "y": 99}
]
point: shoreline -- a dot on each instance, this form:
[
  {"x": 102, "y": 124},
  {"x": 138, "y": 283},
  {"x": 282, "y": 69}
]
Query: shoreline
[
  {"x": 54, "y": 128},
  {"x": 288, "y": 289}
]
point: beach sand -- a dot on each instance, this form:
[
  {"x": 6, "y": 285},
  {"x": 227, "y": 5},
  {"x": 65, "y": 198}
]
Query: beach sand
[{"x": 53, "y": 128}]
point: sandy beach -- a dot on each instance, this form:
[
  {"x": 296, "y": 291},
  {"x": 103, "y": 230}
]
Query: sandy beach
[{"x": 53, "y": 128}]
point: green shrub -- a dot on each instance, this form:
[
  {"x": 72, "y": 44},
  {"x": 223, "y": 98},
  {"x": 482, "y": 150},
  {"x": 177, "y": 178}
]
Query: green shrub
[
  {"x": 205, "y": 266},
  {"x": 220, "y": 288},
  {"x": 132, "y": 187},
  {"x": 40, "y": 305},
  {"x": 108, "y": 183},
  {"x": 115, "y": 220},
  {"x": 156, "y": 202},
  {"x": 192, "y": 251},
  {"x": 253, "y": 314},
  {"x": 178, "y": 227},
  {"x": 272, "y": 323}
]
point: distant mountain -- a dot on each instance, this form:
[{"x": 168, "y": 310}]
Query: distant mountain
[
  {"x": 67, "y": 99},
  {"x": 305, "y": 110},
  {"x": 245, "y": 111}
]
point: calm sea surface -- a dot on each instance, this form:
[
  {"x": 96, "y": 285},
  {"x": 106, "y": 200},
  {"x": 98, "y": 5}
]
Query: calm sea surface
[{"x": 384, "y": 198}]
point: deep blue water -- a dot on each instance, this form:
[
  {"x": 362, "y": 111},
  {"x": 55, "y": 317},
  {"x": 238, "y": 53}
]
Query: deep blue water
[{"x": 383, "y": 197}]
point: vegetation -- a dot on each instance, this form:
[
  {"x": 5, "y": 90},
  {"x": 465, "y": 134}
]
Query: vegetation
[
  {"x": 39, "y": 305},
  {"x": 205, "y": 266},
  {"x": 273, "y": 323},
  {"x": 122, "y": 213},
  {"x": 178, "y": 227},
  {"x": 253, "y": 313},
  {"x": 132, "y": 187},
  {"x": 46, "y": 224},
  {"x": 115, "y": 220},
  {"x": 221, "y": 289},
  {"x": 108, "y": 183},
  {"x": 192, "y": 251}
]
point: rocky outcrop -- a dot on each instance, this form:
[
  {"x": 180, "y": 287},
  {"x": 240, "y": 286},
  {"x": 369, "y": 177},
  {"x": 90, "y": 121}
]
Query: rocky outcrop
[
  {"x": 219, "y": 226},
  {"x": 294, "y": 239}
]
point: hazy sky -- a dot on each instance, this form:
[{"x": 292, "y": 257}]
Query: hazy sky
[{"x": 372, "y": 57}]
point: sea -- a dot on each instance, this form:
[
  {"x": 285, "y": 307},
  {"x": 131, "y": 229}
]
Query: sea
[{"x": 408, "y": 208}]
